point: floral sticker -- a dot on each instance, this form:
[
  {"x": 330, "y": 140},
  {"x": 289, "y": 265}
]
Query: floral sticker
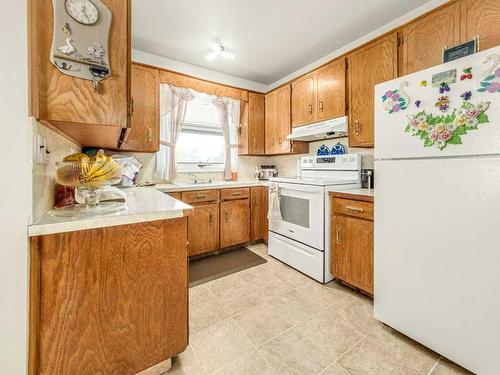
[
  {"x": 396, "y": 100},
  {"x": 443, "y": 103},
  {"x": 442, "y": 130}
]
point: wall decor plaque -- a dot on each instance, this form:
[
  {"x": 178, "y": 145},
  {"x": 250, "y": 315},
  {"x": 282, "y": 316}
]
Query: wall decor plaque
[{"x": 80, "y": 39}]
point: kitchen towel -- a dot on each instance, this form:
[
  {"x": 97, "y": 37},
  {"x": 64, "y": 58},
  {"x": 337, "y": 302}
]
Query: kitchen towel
[{"x": 274, "y": 212}]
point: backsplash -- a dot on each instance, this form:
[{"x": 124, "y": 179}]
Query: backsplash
[{"x": 44, "y": 174}]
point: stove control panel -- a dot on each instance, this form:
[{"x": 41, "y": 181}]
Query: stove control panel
[{"x": 349, "y": 162}]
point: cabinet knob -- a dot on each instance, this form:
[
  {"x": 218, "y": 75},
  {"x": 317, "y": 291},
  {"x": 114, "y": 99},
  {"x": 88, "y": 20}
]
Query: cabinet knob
[
  {"x": 150, "y": 135},
  {"x": 337, "y": 236},
  {"x": 211, "y": 218},
  {"x": 321, "y": 105},
  {"x": 226, "y": 216},
  {"x": 357, "y": 127}
]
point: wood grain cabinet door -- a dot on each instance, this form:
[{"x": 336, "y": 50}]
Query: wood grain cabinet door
[
  {"x": 422, "y": 41},
  {"x": 243, "y": 146},
  {"x": 331, "y": 90},
  {"x": 482, "y": 18},
  {"x": 359, "y": 245},
  {"x": 234, "y": 222},
  {"x": 372, "y": 64},
  {"x": 256, "y": 213},
  {"x": 145, "y": 121},
  {"x": 271, "y": 124},
  {"x": 304, "y": 100},
  {"x": 265, "y": 209},
  {"x": 338, "y": 257},
  {"x": 283, "y": 96},
  {"x": 203, "y": 229},
  {"x": 256, "y": 123}
]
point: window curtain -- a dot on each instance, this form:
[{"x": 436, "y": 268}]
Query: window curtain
[
  {"x": 229, "y": 115},
  {"x": 173, "y": 103}
]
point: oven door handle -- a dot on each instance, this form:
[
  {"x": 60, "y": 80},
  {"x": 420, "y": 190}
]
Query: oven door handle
[{"x": 303, "y": 188}]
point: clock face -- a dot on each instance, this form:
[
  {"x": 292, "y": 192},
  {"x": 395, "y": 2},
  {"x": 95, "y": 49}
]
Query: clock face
[{"x": 82, "y": 11}]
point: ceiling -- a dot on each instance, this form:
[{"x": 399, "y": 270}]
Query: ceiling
[{"x": 270, "y": 38}]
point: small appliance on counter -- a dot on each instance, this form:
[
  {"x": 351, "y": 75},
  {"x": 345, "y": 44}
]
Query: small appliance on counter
[{"x": 267, "y": 171}]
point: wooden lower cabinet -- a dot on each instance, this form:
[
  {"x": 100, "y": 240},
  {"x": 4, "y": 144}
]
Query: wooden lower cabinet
[
  {"x": 265, "y": 208},
  {"x": 203, "y": 229},
  {"x": 234, "y": 222},
  {"x": 259, "y": 207},
  {"x": 110, "y": 300},
  {"x": 352, "y": 242}
]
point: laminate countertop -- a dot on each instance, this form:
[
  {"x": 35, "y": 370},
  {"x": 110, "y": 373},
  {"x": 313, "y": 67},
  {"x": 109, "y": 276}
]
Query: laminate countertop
[
  {"x": 171, "y": 188},
  {"x": 143, "y": 204}
]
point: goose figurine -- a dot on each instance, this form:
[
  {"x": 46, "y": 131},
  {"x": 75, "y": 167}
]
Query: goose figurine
[
  {"x": 490, "y": 79},
  {"x": 69, "y": 48},
  {"x": 396, "y": 100}
]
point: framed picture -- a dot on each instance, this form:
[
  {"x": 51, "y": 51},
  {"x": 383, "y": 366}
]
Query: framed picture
[{"x": 462, "y": 50}]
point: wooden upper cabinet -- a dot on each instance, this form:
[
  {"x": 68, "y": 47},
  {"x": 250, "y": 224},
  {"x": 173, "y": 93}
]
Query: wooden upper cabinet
[
  {"x": 304, "y": 100},
  {"x": 70, "y": 104},
  {"x": 368, "y": 66},
  {"x": 422, "y": 41},
  {"x": 331, "y": 90},
  {"x": 203, "y": 229},
  {"x": 271, "y": 123},
  {"x": 482, "y": 18},
  {"x": 145, "y": 120},
  {"x": 252, "y": 125},
  {"x": 283, "y": 127},
  {"x": 234, "y": 222}
]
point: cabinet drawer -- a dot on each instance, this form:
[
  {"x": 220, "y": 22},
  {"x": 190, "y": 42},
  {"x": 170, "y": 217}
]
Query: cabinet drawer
[
  {"x": 363, "y": 210},
  {"x": 200, "y": 196},
  {"x": 238, "y": 193}
]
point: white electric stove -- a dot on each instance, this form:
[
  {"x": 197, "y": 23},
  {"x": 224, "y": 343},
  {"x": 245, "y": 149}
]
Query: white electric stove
[{"x": 301, "y": 238}]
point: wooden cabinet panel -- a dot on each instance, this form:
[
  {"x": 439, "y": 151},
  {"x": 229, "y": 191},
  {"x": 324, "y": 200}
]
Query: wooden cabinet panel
[
  {"x": 271, "y": 123},
  {"x": 331, "y": 90},
  {"x": 203, "y": 229},
  {"x": 243, "y": 130},
  {"x": 111, "y": 300},
  {"x": 234, "y": 193},
  {"x": 177, "y": 195},
  {"x": 352, "y": 243},
  {"x": 422, "y": 41},
  {"x": 256, "y": 123},
  {"x": 283, "y": 127},
  {"x": 265, "y": 209},
  {"x": 304, "y": 100},
  {"x": 70, "y": 104},
  {"x": 481, "y": 17},
  {"x": 145, "y": 120},
  {"x": 234, "y": 222},
  {"x": 372, "y": 64},
  {"x": 256, "y": 206},
  {"x": 199, "y": 196}
]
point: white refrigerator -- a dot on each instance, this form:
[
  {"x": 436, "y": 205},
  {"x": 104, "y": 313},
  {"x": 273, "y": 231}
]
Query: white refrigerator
[{"x": 437, "y": 208}]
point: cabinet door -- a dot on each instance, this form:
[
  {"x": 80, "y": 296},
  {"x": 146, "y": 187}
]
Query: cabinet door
[
  {"x": 70, "y": 104},
  {"x": 331, "y": 90},
  {"x": 203, "y": 229},
  {"x": 372, "y": 64},
  {"x": 304, "y": 100},
  {"x": 145, "y": 120},
  {"x": 256, "y": 212},
  {"x": 422, "y": 41},
  {"x": 271, "y": 125},
  {"x": 234, "y": 222},
  {"x": 482, "y": 18},
  {"x": 256, "y": 123},
  {"x": 352, "y": 251},
  {"x": 243, "y": 147},
  {"x": 283, "y": 127}
]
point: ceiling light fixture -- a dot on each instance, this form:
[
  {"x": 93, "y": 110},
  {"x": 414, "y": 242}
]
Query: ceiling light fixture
[{"x": 219, "y": 50}]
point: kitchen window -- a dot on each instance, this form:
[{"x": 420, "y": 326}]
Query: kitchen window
[{"x": 201, "y": 146}]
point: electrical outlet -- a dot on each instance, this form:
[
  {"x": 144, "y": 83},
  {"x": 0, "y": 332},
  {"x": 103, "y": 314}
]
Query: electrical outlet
[{"x": 41, "y": 150}]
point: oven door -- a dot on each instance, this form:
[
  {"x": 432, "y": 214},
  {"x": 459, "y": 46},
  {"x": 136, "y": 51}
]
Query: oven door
[{"x": 302, "y": 212}]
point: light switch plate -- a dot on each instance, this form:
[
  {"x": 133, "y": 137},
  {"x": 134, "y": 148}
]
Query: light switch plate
[{"x": 40, "y": 150}]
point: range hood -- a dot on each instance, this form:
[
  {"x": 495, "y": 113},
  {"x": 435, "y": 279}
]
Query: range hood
[{"x": 335, "y": 128}]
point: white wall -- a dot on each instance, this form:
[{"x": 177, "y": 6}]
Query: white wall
[
  {"x": 196, "y": 71},
  {"x": 14, "y": 187}
]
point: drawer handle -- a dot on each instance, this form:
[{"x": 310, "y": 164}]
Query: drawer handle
[
  {"x": 310, "y": 109},
  {"x": 337, "y": 235},
  {"x": 356, "y": 209},
  {"x": 150, "y": 135},
  {"x": 236, "y": 193},
  {"x": 321, "y": 105},
  {"x": 211, "y": 218},
  {"x": 226, "y": 216},
  {"x": 198, "y": 196}
]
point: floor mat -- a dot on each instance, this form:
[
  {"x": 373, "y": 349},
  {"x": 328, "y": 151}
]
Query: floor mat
[{"x": 219, "y": 265}]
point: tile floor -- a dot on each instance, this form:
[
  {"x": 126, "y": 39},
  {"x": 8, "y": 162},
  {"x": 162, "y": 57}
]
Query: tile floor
[{"x": 271, "y": 319}]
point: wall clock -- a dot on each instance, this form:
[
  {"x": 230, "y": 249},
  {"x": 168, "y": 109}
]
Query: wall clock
[{"x": 82, "y": 11}]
